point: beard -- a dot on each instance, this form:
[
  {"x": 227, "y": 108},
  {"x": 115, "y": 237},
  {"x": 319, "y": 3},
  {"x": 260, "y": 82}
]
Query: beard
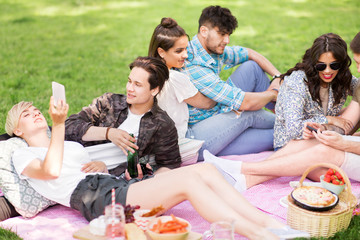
[{"x": 214, "y": 49}]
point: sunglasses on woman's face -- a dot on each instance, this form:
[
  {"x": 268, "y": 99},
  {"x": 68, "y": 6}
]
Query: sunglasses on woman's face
[{"x": 322, "y": 66}]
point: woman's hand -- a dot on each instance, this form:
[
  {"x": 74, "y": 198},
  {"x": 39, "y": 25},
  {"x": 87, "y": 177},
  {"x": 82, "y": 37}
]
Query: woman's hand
[
  {"x": 94, "y": 166},
  {"x": 340, "y": 122},
  {"x": 122, "y": 139},
  {"x": 331, "y": 139},
  {"x": 58, "y": 114},
  {"x": 307, "y": 133}
]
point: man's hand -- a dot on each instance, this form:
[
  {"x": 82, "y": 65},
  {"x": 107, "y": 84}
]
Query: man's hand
[
  {"x": 94, "y": 166},
  {"x": 275, "y": 93},
  {"x": 275, "y": 84},
  {"x": 58, "y": 114},
  {"x": 140, "y": 173},
  {"x": 341, "y": 123},
  {"x": 122, "y": 139}
]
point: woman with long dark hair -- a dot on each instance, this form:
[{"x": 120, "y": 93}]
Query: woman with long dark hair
[
  {"x": 315, "y": 90},
  {"x": 169, "y": 42}
]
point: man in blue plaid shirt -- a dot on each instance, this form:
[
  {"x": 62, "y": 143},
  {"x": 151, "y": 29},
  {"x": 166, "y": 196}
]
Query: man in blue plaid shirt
[{"x": 237, "y": 124}]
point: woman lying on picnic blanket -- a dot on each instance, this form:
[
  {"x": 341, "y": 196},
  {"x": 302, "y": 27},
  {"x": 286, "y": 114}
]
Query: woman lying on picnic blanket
[
  {"x": 53, "y": 168},
  {"x": 314, "y": 90}
]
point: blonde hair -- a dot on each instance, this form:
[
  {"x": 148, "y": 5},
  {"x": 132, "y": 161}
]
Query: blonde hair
[{"x": 13, "y": 116}]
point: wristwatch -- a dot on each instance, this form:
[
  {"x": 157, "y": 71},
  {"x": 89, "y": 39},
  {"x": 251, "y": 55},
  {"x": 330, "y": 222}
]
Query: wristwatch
[{"x": 275, "y": 76}]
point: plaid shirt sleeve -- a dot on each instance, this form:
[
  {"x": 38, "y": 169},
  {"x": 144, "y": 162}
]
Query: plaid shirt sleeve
[
  {"x": 204, "y": 69},
  {"x": 205, "y": 77},
  {"x": 210, "y": 84},
  {"x": 234, "y": 56}
]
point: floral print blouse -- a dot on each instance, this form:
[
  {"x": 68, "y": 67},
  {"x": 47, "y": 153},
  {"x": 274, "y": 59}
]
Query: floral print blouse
[{"x": 295, "y": 106}]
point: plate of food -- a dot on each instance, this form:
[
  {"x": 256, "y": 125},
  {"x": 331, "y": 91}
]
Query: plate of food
[
  {"x": 168, "y": 228},
  {"x": 314, "y": 198},
  {"x": 143, "y": 216}
]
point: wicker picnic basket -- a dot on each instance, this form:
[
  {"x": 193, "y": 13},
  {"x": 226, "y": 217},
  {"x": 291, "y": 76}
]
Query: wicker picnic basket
[{"x": 323, "y": 224}]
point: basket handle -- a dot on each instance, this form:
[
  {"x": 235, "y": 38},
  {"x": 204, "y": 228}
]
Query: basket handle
[{"x": 330, "y": 165}]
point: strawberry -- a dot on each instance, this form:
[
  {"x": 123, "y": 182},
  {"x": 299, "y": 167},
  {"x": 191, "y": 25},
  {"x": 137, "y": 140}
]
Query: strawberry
[
  {"x": 341, "y": 182},
  {"x": 336, "y": 182},
  {"x": 327, "y": 178},
  {"x": 338, "y": 175},
  {"x": 330, "y": 172},
  {"x": 333, "y": 177}
]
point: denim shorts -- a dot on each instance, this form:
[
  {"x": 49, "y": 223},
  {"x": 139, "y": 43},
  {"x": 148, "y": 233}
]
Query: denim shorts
[{"x": 93, "y": 193}]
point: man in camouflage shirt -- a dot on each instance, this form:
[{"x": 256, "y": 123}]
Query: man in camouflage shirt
[{"x": 157, "y": 132}]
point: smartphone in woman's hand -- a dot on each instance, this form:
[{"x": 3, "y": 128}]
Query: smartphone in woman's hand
[{"x": 58, "y": 92}]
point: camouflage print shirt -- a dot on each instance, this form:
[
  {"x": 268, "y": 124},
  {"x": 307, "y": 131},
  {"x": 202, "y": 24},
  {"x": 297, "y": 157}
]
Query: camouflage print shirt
[{"x": 157, "y": 132}]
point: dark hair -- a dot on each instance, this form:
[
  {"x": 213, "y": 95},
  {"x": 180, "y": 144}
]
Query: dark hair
[
  {"x": 157, "y": 69},
  {"x": 216, "y": 16},
  {"x": 333, "y": 43},
  {"x": 355, "y": 44},
  {"x": 165, "y": 36}
]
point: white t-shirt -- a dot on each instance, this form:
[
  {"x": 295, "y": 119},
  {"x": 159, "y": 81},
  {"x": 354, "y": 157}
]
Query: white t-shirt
[
  {"x": 111, "y": 154},
  {"x": 171, "y": 99},
  {"x": 60, "y": 189}
]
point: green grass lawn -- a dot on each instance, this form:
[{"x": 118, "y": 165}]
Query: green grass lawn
[
  {"x": 87, "y": 44},
  {"x": 8, "y": 234}
]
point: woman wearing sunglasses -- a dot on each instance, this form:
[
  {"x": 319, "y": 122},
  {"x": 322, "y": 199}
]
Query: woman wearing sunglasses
[{"x": 315, "y": 90}]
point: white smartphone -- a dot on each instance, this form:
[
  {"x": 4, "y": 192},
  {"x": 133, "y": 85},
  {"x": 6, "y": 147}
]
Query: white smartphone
[{"x": 58, "y": 92}]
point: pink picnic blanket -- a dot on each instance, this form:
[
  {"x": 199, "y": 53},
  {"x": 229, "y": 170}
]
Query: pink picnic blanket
[{"x": 60, "y": 222}]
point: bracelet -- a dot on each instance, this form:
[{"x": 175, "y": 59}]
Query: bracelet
[
  {"x": 275, "y": 89},
  {"x": 107, "y": 134}
]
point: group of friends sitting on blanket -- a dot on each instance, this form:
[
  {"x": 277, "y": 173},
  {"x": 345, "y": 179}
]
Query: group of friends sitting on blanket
[{"x": 176, "y": 93}]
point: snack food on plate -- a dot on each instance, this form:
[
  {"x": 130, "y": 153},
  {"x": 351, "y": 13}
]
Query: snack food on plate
[
  {"x": 133, "y": 232},
  {"x": 141, "y": 221},
  {"x": 168, "y": 228},
  {"x": 153, "y": 211},
  {"x": 171, "y": 226},
  {"x": 314, "y": 196}
]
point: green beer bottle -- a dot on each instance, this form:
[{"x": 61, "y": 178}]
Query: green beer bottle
[{"x": 132, "y": 161}]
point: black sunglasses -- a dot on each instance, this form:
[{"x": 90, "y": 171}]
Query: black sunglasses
[{"x": 322, "y": 66}]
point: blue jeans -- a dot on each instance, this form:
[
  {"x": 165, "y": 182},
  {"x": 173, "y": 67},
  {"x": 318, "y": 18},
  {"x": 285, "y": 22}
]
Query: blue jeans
[
  {"x": 249, "y": 77},
  {"x": 230, "y": 134}
]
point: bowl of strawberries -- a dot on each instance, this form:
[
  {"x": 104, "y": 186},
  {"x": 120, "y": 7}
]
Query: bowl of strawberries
[{"x": 333, "y": 181}]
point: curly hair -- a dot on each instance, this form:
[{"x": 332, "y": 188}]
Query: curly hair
[
  {"x": 328, "y": 42},
  {"x": 216, "y": 16}
]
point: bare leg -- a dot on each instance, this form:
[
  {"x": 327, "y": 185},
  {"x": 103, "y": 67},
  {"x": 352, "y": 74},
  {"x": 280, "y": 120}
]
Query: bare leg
[
  {"x": 173, "y": 187},
  {"x": 233, "y": 198},
  {"x": 294, "y": 146},
  {"x": 292, "y": 164}
]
